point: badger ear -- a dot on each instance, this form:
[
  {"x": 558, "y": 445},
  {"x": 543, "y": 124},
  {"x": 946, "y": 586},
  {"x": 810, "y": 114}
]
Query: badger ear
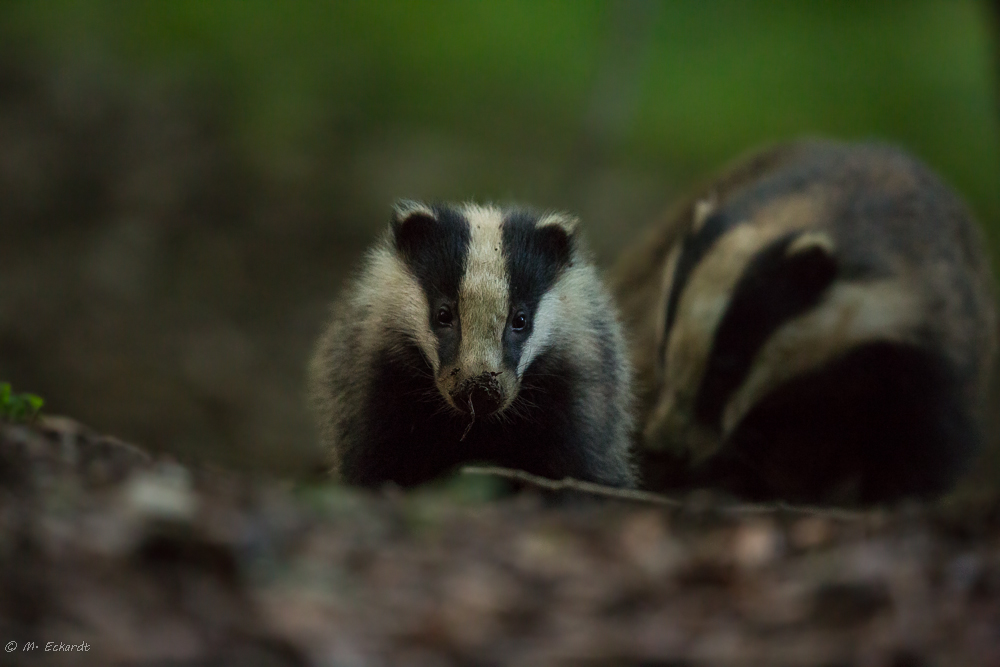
[
  {"x": 556, "y": 233},
  {"x": 564, "y": 221},
  {"x": 412, "y": 222},
  {"x": 555, "y": 243},
  {"x": 703, "y": 210},
  {"x": 811, "y": 261},
  {"x": 810, "y": 242}
]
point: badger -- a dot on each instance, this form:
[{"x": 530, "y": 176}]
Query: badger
[
  {"x": 475, "y": 334},
  {"x": 816, "y": 324}
]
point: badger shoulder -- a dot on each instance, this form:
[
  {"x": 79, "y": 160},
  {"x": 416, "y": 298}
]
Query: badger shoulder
[
  {"x": 475, "y": 333},
  {"x": 796, "y": 309},
  {"x": 357, "y": 335}
]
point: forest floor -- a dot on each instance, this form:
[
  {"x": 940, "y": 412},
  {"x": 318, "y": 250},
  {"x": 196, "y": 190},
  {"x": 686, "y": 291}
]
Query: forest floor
[{"x": 132, "y": 559}]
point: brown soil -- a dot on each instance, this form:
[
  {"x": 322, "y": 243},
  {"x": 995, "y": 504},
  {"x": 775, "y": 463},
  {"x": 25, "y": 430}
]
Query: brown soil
[{"x": 150, "y": 562}]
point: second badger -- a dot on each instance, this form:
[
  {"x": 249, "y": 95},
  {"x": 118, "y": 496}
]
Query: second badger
[
  {"x": 816, "y": 323},
  {"x": 475, "y": 333}
]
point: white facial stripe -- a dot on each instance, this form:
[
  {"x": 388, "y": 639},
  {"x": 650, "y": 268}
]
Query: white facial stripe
[
  {"x": 704, "y": 302},
  {"x": 393, "y": 289},
  {"x": 550, "y": 317},
  {"x": 483, "y": 294},
  {"x": 849, "y": 315},
  {"x": 707, "y": 295},
  {"x": 669, "y": 270},
  {"x": 543, "y": 328},
  {"x": 559, "y": 316}
]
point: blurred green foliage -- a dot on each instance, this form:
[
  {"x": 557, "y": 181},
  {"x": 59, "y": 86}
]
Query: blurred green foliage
[
  {"x": 18, "y": 407},
  {"x": 704, "y": 80}
]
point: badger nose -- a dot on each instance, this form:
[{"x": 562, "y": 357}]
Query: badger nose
[{"x": 481, "y": 394}]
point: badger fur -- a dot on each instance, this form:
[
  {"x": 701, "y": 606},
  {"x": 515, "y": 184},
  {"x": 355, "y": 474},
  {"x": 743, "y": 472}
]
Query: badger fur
[
  {"x": 475, "y": 334},
  {"x": 817, "y": 323}
]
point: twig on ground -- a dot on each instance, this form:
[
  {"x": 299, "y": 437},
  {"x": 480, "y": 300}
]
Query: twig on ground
[
  {"x": 568, "y": 483},
  {"x": 634, "y": 495}
]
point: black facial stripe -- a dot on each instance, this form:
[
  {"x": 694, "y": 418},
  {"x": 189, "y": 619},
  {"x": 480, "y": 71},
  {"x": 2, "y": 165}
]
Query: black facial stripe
[
  {"x": 449, "y": 340},
  {"x": 693, "y": 250},
  {"x": 535, "y": 256},
  {"x": 435, "y": 251},
  {"x": 773, "y": 289}
]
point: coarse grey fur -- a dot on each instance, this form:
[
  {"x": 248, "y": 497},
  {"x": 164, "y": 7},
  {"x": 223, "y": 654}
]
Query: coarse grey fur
[
  {"x": 428, "y": 338},
  {"x": 901, "y": 318}
]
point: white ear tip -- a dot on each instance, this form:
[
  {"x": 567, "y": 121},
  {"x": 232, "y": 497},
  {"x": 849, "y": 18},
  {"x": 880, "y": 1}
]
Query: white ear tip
[
  {"x": 404, "y": 208},
  {"x": 703, "y": 208},
  {"x": 811, "y": 241},
  {"x": 558, "y": 219}
]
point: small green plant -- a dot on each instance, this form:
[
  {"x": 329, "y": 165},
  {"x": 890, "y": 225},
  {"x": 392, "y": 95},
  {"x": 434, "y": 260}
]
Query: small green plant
[{"x": 18, "y": 407}]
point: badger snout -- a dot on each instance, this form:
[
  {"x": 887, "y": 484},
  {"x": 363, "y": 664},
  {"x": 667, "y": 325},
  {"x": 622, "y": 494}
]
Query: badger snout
[{"x": 482, "y": 395}]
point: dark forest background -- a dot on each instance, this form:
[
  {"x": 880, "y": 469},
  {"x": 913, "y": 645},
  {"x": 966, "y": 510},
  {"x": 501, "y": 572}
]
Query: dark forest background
[{"x": 185, "y": 185}]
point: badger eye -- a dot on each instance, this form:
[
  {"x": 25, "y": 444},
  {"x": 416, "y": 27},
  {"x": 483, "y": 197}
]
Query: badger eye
[
  {"x": 519, "y": 321},
  {"x": 444, "y": 316}
]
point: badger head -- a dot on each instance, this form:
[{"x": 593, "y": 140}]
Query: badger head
[
  {"x": 489, "y": 298},
  {"x": 752, "y": 299},
  {"x": 729, "y": 287}
]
